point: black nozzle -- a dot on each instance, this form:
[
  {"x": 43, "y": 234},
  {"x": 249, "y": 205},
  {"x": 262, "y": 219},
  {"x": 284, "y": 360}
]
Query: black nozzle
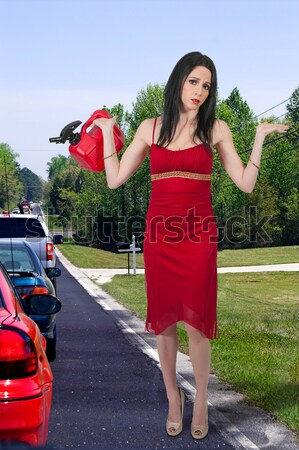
[{"x": 67, "y": 134}]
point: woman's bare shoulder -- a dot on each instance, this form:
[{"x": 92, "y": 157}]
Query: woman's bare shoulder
[
  {"x": 149, "y": 123},
  {"x": 220, "y": 128},
  {"x": 145, "y": 129}
]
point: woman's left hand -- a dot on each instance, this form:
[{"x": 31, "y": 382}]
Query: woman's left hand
[{"x": 266, "y": 128}]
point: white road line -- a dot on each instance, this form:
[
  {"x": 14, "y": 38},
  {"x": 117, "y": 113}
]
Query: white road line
[{"x": 230, "y": 428}]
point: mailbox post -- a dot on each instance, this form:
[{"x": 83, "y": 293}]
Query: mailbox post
[{"x": 127, "y": 247}]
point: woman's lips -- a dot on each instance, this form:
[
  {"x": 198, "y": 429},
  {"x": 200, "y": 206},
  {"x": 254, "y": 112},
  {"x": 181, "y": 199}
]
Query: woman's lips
[{"x": 195, "y": 101}]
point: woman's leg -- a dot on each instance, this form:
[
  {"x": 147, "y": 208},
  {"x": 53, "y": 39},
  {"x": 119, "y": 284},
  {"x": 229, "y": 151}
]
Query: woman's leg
[
  {"x": 200, "y": 355},
  {"x": 167, "y": 343}
]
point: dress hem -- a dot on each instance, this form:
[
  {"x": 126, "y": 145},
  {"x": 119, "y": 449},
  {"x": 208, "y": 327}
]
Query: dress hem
[{"x": 211, "y": 335}]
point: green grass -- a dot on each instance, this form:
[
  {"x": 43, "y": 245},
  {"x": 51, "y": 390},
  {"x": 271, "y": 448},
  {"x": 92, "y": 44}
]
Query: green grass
[
  {"x": 87, "y": 257},
  {"x": 258, "y": 315},
  {"x": 257, "y": 348},
  {"x": 258, "y": 256}
]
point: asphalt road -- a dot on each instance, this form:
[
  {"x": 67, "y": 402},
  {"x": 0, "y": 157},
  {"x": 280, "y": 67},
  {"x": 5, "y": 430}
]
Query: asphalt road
[{"x": 107, "y": 393}]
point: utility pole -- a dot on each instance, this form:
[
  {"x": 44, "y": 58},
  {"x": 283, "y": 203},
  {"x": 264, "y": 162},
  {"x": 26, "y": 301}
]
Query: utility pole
[{"x": 6, "y": 182}]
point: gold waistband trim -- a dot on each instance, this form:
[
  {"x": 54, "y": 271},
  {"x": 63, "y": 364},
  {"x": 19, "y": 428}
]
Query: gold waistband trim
[{"x": 193, "y": 176}]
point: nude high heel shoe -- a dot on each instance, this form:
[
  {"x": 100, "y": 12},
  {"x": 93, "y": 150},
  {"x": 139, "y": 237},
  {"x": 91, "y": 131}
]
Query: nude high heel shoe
[
  {"x": 200, "y": 431},
  {"x": 176, "y": 426}
]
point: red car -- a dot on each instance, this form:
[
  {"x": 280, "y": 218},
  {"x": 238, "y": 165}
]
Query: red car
[{"x": 26, "y": 378}]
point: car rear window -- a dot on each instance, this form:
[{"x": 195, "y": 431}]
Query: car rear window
[
  {"x": 11, "y": 227},
  {"x": 17, "y": 259}
]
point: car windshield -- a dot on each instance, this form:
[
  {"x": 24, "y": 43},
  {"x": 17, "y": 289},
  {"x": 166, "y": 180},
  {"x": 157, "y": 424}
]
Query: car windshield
[
  {"x": 11, "y": 227},
  {"x": 17, "y": 259}
]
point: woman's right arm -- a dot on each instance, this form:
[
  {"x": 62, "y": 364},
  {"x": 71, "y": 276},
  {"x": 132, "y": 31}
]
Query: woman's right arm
[{"x": 119, "y": 171}]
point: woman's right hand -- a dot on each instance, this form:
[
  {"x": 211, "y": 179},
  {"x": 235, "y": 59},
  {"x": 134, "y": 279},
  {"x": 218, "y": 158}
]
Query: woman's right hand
[
  {"x": 266, "y": 128},
  {"x": 106, "y": 124}
]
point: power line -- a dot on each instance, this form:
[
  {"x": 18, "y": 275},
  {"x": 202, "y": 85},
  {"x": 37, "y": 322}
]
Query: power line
[
  {"x": 258, "y": 115},
  {"x": 273, "y": 107},
  {"x": 279, "y": 153},
  {"x": 278, "y": 117}
]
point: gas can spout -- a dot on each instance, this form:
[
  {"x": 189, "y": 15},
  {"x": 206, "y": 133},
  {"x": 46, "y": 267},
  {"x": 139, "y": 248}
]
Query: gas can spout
[
  {"x": 87, "y": 146},
  {"x": 67, "y": 134}
]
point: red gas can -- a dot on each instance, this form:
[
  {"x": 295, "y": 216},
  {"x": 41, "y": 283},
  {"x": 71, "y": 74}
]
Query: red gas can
[{"x": 89, "y": 151}]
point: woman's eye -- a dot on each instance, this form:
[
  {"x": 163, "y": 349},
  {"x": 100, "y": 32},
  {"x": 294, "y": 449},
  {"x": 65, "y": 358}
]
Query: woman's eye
[
  {"x": 193, "y": 82},
  {"x": 207, "y": 87}
]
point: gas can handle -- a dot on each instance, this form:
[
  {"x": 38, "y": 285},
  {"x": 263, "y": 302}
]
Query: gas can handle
[{"x": 96, "y": 115}]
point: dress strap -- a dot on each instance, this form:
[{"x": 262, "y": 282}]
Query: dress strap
[{"x": 154, "y": 127}]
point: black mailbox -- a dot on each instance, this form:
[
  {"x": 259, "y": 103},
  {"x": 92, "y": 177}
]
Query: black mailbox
[
  {"x": 123, "y": 246},
  {"x": 127, "y": 247}
]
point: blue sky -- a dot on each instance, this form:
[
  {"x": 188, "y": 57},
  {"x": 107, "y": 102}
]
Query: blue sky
[{"x": 62, "y": 59}]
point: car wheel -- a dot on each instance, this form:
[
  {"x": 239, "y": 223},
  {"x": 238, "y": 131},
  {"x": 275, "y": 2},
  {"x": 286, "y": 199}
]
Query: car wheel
[{"x": 51, "y": 350}]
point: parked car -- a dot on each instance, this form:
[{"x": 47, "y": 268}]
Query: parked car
[
  {"x": 33, "y": 229},
  {"x": 29, "y": 277},
  {"x": 26, "y": 379}
]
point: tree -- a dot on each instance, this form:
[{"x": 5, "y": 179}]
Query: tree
[
  {"x": 65, "y": 185},
  {"x": 280, "y": 160},
  {"x": 33, "y": 186},
  {"x": 11, "y": 187},
  {"x": 293, "y": 107},
  {"x": 229, "y": 202},
  {"x": 262, "y": 216},
  {"x": 55, "y": 165},
  {"x": 243, "y": 122},
  {"x": 290, "y": 216},
  {"x": 149, "y": 103}
]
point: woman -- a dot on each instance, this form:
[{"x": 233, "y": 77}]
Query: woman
[{"x": 180, "y": 246}]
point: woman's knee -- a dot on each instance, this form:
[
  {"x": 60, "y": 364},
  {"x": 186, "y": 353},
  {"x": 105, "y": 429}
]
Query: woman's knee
[
  {"x": 194, "y": 334},
  {"x": 170, "y": 331}
]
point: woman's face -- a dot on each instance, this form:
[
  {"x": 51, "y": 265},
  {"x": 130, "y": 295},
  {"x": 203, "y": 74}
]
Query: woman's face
[{"x": 196, "y": 88}]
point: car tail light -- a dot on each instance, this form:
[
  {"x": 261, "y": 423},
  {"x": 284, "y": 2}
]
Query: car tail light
[
  {"x": 18, "y": 357},
  {"x": 29, "y": 290},
  {"x": 50, "y": 251}
]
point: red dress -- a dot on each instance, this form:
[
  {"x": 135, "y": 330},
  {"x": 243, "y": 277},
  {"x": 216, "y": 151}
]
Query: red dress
[{"x": 180, "y": 241}]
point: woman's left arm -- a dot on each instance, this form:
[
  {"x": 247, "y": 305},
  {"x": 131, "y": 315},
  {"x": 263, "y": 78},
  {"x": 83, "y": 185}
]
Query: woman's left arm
[{"x": 243, "y": 176}]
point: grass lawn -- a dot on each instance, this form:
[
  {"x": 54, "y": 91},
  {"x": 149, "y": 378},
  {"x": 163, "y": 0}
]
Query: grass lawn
[
  {"x": 257, "y": 348},
  {"x": 87, "y": 257},
  {"x": 258, "y": 314}
]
